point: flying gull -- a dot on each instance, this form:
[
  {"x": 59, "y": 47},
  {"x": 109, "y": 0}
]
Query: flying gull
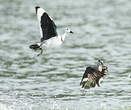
[{"x": 49, "y": 36}]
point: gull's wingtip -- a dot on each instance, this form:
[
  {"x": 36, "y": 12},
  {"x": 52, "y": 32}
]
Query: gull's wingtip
[{"x": 36, "y": 8}]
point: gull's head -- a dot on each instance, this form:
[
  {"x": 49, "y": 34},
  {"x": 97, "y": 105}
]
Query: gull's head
[
  {"x": 69, "y": 30},
  {"x": 100, "y": 65}
]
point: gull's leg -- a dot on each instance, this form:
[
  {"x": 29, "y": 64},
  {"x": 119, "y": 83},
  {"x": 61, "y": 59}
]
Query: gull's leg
[
  {"x": 42, "y": 47},
  {"x": 41, "y": 51}
]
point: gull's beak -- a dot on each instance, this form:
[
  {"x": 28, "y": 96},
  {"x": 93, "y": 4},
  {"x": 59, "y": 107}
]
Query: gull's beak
[{"x": 71, "y": 32}]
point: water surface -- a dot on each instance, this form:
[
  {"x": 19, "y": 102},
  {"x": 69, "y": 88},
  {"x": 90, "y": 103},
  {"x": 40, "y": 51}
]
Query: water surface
[{"x": 51, "y": 81}]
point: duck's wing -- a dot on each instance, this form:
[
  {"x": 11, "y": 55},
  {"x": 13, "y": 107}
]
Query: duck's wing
[
  {"x": 105, "y": 70},
  {"x": 89, "y": 74},
  {"x": 46, "y": 24}
]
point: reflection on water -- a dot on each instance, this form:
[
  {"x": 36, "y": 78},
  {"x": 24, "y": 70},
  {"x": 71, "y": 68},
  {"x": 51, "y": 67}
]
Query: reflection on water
[{"x": 51, "y": 81}]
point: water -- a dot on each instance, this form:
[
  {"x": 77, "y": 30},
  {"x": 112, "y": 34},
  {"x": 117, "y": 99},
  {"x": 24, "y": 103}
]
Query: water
[{"x": 51, "y": 81}]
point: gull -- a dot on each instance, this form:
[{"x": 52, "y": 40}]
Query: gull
[
  {"x": 49, "y": 37},
  {"x": 92, "y": 75}
]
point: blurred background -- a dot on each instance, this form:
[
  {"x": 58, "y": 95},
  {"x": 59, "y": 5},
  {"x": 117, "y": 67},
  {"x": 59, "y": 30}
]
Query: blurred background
[{"x": 102, "y": 30}]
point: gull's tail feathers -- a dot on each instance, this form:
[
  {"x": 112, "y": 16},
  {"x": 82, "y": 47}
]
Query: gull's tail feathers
[{"x": 35, "y": 47}]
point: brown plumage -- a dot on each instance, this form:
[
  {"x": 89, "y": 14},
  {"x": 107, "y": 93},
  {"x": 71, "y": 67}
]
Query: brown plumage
[{"x": 92, "y": 75}]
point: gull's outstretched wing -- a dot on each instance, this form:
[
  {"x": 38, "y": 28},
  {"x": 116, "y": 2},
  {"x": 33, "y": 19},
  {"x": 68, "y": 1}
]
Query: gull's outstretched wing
[{"x": 47, "y": 26}]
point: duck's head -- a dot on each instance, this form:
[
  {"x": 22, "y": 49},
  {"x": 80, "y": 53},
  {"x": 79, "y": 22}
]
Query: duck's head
[{"x": 100, "y": 65}]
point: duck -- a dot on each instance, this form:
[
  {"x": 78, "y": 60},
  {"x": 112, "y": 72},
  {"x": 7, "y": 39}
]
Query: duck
[{"x": 93, "y": 74}]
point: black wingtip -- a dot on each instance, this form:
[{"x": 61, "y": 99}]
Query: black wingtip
[{"x": 36, "y": 8}]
